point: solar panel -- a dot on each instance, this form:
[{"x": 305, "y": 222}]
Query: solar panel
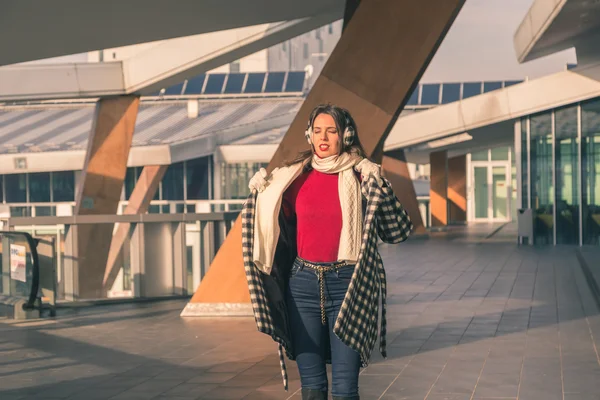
[
  {"x": 274, "y": 82},
  {"x": 510, "y": 83},
  {"x": 214, "y": 85},
  {"x": 254, "y": 84},
  {"x": 430, "y": 94},
  {"x": 194, "y": 85},
  {"x": 174, "y": 90},
  {"x": 450, "y": 92},
  {"x": 414, "y": 97},
  {"x": 490, "y": 86},
  {"x": 471, "y": 89},
  {"x": 234, "y": 84},
  {"x": 295, "y": 81}
]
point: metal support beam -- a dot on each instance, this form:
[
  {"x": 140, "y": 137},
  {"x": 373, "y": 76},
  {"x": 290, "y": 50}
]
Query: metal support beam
[
  {"x": 457, "y": 189},
  {"x": 438, "y": 191},
  {"x": 140, "y": 199},
  {"x": 100, "y": 190},
  {"x": 395, "y": 169},
  {"x": 372, "y": 71}
]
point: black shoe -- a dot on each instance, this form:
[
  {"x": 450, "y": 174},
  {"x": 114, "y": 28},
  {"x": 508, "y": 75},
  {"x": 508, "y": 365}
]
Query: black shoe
[
  {"x": 346, "y": 398},
  {"x": 313, "y": 394}
]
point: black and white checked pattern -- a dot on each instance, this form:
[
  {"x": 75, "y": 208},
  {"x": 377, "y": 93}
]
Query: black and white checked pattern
[{"x": 356, "y": 324}]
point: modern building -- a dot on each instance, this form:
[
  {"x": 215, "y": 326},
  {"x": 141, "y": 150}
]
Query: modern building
[{"x": 486, "y": 149}]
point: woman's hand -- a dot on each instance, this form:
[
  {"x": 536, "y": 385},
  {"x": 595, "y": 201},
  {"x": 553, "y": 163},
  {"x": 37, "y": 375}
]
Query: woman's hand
[
  {"x": 260, "y": 180},
  {"x": 367, "y": 168}
]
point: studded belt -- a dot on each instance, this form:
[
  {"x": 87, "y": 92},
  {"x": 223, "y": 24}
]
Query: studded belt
[{"x": 321, "y": 270}]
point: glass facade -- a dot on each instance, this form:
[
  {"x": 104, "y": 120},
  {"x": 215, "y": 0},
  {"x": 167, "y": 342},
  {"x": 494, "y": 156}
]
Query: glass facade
[
  {"x": 590, "y": 172},
  {"x": 63, "y": 186},
  {"x": 173, "y": 182},
  {"x": 235, "y": 178},
  {"x": 542, "y": 188},
  {"x": 197, "y": 178},
  {"x": 566, "y": 161},
  {"x": 16, "y": 188},
  {"x": 187, "y": 180},
  {"x": 39, "y": 187},
  {"x": 524, "y": 164},
  {"x": 560, "y": 173}
]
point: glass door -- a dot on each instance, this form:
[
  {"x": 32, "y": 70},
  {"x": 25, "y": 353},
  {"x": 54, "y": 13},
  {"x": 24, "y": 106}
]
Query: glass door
[
  {"x": 491, "y": 190},
  {"x": 499, "y": 193},
  {"x": 481, "y": 195}
]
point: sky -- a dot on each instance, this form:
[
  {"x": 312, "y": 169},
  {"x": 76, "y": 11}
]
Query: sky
[{"x": 478, "y": 46}]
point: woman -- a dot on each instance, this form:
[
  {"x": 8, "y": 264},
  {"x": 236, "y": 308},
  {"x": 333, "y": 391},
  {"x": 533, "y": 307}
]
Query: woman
[{"x": 310, "y": 254}]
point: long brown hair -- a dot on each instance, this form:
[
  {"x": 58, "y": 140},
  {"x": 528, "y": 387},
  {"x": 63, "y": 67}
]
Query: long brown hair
[{"x": 343, "y": 120}]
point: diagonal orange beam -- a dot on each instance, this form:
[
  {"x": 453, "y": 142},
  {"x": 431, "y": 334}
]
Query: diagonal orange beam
[
  {"x": 377, "y": 63},
  {"x": 138, "y": 203}
]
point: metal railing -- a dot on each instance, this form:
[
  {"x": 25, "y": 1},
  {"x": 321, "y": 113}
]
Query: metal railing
[
  {"x": 14, "y": 269},
  {"x": 151, "y": 255},
  {"x": 52, "y": 209}
]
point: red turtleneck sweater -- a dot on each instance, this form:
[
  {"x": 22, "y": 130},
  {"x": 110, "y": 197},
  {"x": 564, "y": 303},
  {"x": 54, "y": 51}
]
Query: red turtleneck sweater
[{"x": 313, "y": 201}]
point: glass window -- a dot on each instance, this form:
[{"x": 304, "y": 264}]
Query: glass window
[
  {"x": 450, "y": 92},
  {"x": 254, "y": 84},
  {"x": 214, "y": 85},
  {"x": 524, "y": 165},
  {"x": 274, "y": 82},
  {"x": 430, "y": 94},
  {"x": 331, "y": 29},
  {"x": 414, "y": 97},
  {"x": 490, "y": 86},
  {"x": 480, "y": 156},
  {"x": 471, "y": 89},
  {"x": 305, "y": 50},
  {"x": 194, "y": 85},
  {"x": 1, "y": 188},
  {"x": 235, "y": 178},
  {"x": 131, "y": 177},
  {"x": 500, "y": 154},
  {"x": 63, "y": 186},
  {"x": 542, "y": 189},
  {"x": 39, "y": 187},
  {"x": 234, "y": 83},
  {"x": 590, "y": 172},
  {"x": 295, "y": 81},
  {"x": 172, "y": 182},
  {"x": 567, "y": 175},
  {"x": 16, "y": 188},
  {"x": 197, "y": 178}
]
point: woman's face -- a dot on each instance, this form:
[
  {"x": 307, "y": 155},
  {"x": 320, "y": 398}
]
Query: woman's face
[{"x": 326, "y": 138}]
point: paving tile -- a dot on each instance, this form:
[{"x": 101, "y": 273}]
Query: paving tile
[{"x": 461, "y": 318}]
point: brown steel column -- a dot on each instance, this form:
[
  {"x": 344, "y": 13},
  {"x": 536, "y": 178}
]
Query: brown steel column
[
  {"x": 457, "y": 189},
  {"x": 138, "y": 203},
  {"x": 372, "y": 71},
  {"x": 395, "y": 169},
  {"x": 438, "y": 191},
  {"x": 101, "y": 185}
]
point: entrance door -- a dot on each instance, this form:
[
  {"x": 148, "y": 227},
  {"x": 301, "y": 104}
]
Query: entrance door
[
  {"x": 490, "y": 191},
  {"x": 499, "y": 193}
]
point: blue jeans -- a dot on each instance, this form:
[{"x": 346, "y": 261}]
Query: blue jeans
[{"x": 310, "y": 336}]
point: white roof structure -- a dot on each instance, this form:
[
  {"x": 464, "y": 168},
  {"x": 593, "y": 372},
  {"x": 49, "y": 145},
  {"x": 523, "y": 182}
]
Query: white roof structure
[
  {"x": 486, "y": 120},
  {"x": 54, "y": 137}
]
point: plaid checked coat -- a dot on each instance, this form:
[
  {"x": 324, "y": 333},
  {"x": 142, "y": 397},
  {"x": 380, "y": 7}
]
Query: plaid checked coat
[{"x": 356, "y": 324}]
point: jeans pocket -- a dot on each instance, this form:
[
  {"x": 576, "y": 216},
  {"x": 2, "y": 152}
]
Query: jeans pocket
[
  {"x": 345, "y": 273},
  {"x": 295, "y": 268}
]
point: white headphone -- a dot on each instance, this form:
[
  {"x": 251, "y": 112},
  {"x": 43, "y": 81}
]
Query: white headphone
[{"x": 348, "y": 136}]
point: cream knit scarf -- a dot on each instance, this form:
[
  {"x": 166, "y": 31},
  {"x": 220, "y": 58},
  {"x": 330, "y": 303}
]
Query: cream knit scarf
[{"x": 268, "y": 204}]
